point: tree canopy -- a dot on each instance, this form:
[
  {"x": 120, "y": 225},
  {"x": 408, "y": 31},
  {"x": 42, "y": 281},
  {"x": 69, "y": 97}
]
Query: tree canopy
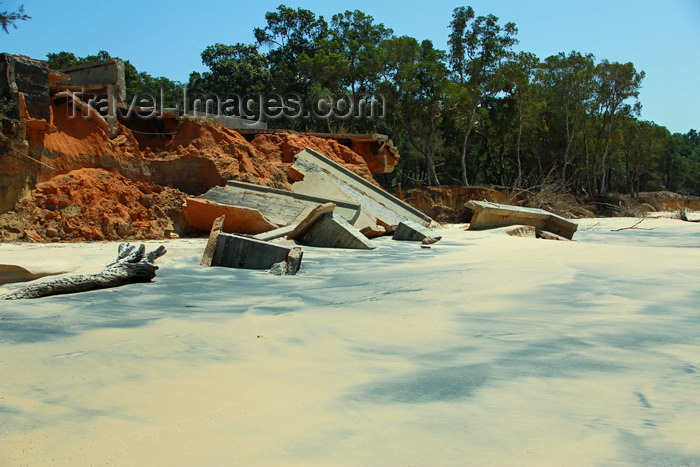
[{"x": 478, "y": 112}]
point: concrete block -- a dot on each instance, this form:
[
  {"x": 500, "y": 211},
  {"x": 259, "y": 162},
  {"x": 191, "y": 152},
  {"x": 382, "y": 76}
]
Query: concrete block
[
  {"x": 236, "y": 251},
  {"x": 308, "y": 222},
  {"x": 377, "y": 202},
  {"x": 275, "y": 234},
  {"x": 333, "y": 231},
  {"x": 211, "y": 243},
  {"x": 281, "y": 207},
  {"x": 201, "y": 212},
  {"x": 414, "y": 232},
  {"x": 489, "y": 215},
  {"x": 290, "y": 266}
]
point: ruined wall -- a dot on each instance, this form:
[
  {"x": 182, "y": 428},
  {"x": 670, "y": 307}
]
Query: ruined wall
[
  {"x": 110, "y": 72},
  {"x": 81, "y": 162},
  {"x": 31, "y": 77}
]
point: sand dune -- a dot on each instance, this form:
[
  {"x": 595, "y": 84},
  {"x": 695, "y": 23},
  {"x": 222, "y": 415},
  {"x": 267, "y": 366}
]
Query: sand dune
[{"x": 485, "y": 349}]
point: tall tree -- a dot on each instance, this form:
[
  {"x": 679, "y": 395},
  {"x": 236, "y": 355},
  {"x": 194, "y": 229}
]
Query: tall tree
[
  {"x": 477, "y": 47},
  {"x": 520, "y": 74},
  {"x": 289, "y": 33},
  {"x": 617, "y": 84},
  {"x": 642, "y": 143},
  {"x": 568, "y": 82},
  {"x": 348, "y": 63},
  {"x": 416, "y": 85}
]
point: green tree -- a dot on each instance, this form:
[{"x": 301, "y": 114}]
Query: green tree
[
  {"x": 679, "y": 163},
  {"x": 348, "y": 63},
  {"x": 617, "y": 83},
  {"x": 353, "y": 42},
  {"x": 416, "y": 82},
  {"x": 289, "y": 33},
  {"x": 642, "y": 143},
  {"x": 568, "y": 83},
  {"x": 9, "y": 18},
  {"x": 62, "y": 60},
  {"x": 477, "y": 47},
  {"x": 520, "y": 73}
]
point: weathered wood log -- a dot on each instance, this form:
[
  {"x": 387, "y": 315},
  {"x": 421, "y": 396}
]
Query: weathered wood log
[{"x": 131, "y": 265}]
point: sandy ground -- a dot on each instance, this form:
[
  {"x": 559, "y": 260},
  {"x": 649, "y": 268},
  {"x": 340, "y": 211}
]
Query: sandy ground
[{"x": 483, "y": 350}]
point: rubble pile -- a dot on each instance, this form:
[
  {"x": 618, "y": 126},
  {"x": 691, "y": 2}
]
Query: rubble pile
[
  {"x": 120, "y": 182},
  {"x": 282, "y": 147},
  {"x": 94, "y": 204}
]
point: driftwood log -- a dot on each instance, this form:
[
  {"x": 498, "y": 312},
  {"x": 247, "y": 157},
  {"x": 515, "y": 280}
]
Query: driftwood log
[{"x": 132, "y": 265}]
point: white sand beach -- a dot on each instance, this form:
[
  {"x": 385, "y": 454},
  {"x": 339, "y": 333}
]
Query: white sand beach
[{"x": 482, "y": 350}]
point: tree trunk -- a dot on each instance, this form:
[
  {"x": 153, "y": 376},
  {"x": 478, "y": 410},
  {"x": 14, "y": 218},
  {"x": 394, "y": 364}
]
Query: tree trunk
[
  {"x": 519, "y": 178},
  {"x": 465, "y": 181},
  {"x": 132, "y": 265}
]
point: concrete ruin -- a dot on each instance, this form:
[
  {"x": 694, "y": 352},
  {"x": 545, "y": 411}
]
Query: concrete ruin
[
  {"x": 319, "y": 176},
  {"x": 413, "y": 232},
  {"x": 281, "y": 207},
  {"x": 25, "y": 79},
  {"x": 377, "y": 150},
  {"x": 236, "y": 251},
  {"x": 489, "y": 215},
  {"x": 346, "y": 209},
  {"x": 332, "y": 231}
]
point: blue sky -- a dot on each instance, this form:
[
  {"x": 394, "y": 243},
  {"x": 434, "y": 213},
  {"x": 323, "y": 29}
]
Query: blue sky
[{"x": 166, "y": 38}]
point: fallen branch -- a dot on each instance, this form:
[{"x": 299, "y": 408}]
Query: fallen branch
[
  {"x": 634, "y": 226},
  {"x": 132, "y": 265},
  {"x": 590, "y": 227}
]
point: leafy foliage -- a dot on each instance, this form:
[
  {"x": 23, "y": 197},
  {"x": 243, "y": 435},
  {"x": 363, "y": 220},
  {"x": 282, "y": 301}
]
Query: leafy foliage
[
  {"x": 475, "y": 113},
  {"x": 9, "y": 18}
]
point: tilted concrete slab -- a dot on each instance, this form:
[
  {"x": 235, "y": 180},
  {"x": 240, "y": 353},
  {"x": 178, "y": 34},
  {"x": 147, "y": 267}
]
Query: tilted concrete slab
[
  {"x": 377, "y": 203},
  {"x": 333, "y": 231},
  {"x": 14, "y": 273},
  {"x": 201, "y": 212},
  {"x": 237, "y": 251},
  {"x": 413, "y": 232},
  {"x": 308, "y": 222},
  {"x": 211, "y": 243},
  {"x": 489, "y": 215},
  {"x": 281, "y": 207},
  {"x": 274, "y": 234}
]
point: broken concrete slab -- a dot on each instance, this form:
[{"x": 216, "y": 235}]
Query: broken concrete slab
[
  {"x": 10, "y": 273},
  {"x": 334, "y": 178},
  {"x": 275, "y": 234},
  {"x": 208, "y": 255},
  {"x": 237, "y": 251},
  {"x": 413, "y": 232},
  {"x": 200, "y": 214},
  {"x": 333, "y": 231},
  {"x": 374, "y": 231},
  {"x": 308, "y": 222},
  {"x": 549, "y": 235},
  {"x": 290, "y": 266},
  {"x": 281, "y": 207},
  {"x": 20, "y": 74},
  {"x": 524, "y": 231},
  {"x": 489, "y": 215}
]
